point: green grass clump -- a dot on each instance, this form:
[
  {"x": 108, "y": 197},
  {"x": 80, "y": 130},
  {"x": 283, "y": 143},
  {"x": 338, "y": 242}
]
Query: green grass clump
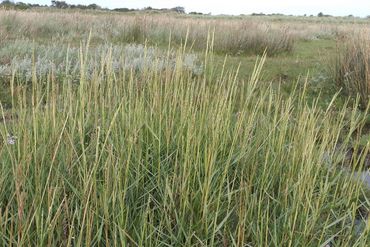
[{"x": 169, "y": 159}]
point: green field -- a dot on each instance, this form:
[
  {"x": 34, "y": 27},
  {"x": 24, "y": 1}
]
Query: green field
[{"x": 147, "y": 129}]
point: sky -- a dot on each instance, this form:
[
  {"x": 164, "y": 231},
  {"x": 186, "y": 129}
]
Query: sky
[{"x": 236, "y": 7}]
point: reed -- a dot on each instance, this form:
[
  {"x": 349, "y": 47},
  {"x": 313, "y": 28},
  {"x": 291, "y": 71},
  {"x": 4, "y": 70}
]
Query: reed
[{"x": 351, "y": 71}]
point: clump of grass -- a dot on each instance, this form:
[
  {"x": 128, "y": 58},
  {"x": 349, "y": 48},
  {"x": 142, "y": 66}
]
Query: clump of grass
[
  {"x": 254, "y": 38},
  {"x": 352, "y": 67},
  {"x": 165, "y": 158}
]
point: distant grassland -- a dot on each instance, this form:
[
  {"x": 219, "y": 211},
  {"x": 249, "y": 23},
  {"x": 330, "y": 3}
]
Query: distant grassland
[
  {"x": 231, "y": 35},
  {"x": 295, "y": 45},
  {"x": 149, "y": 130}
]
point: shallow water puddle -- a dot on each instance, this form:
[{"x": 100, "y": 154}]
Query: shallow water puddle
[{"x": 363, "y": 177}]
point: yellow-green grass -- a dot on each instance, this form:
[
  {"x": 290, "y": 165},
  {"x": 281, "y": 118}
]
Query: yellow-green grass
[
  {"x": 245, "y": 153},
  {"x": 168, "y": 159},
  {"x": 351, "y": 67}
]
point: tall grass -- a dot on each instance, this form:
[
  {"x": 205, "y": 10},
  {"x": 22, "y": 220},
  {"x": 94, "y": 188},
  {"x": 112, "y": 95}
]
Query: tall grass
[
  {"x": 168, "y": 159},
  {"x": 352, "y": 70},
  {"x": 231, "y": 36}
]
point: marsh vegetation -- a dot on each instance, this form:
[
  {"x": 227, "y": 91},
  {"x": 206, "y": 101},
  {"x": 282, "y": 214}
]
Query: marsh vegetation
[{"x": 148, "y": 130}]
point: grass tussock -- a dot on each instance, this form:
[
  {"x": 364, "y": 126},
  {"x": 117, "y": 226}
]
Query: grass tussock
[
  {"x": 352, "y": 70},
  {"x": 169, "y": 159}
]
